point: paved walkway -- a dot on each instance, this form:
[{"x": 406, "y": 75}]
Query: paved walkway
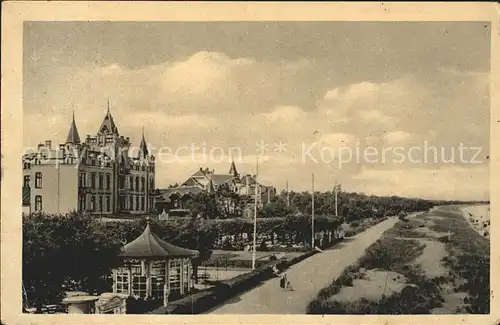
[{"x": 307, "y": 278}]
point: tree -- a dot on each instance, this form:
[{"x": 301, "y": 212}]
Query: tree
[
  {"x": 65, "y": 253},
  {"x": 204, "y": 205},
  {"x": 275, "y": 209},
  {"x": 229, "y": 203}
]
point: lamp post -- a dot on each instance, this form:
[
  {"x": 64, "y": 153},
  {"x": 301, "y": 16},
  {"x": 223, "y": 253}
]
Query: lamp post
[
  {"x": 255, "y": 215},
  {"x": 287, "y": 195},
  {"x": 312, "y": 213}
]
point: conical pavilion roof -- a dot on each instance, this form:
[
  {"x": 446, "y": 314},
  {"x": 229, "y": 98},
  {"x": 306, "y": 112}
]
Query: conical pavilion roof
[{"x": 148, "y": 245}]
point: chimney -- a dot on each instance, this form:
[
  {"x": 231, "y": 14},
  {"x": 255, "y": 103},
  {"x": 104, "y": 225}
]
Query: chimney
[
  {"x": 40, "y": 146},
  {"x": 201, "y": 169},
  {"x": 48, "y": 144}
]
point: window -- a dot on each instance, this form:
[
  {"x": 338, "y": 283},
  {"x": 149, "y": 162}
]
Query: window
[
  {"x": 26, "y": 182},
  {"x": 83, "y": 178},
  {"x": 142, "y": 203},
  {"x": 131, "y": 203},
  {"x": 82, "y": 203},
  {"x": 100, "y": 203},
  {"x": 92, "y": 180},
  {"x": 139, "y": 286},
  {"x": 157, "y": 279},
  {"x": 92, "y": 203},
  {"x": 175, "y": 275},
  {"x": 108, "y": 181},
  {"x": 131, "y": 182},
  {"x": 101, "y": 181},
  {"x": 137, "y": 202},
  {"x": 38, "y": 203},
  {"x": 122, "y": 182},
  {"x": 38, "y": 180},
  {"x": 137, "y": 183},
  {"x": 143, "y": 183},
  {"x": 122, "y": 277},
  {"x": 108, "y": 203},
  {"x": 136, "y": 270}
]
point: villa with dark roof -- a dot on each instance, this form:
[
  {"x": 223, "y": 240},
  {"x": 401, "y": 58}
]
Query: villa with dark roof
[{"x": 174, "y": 200}]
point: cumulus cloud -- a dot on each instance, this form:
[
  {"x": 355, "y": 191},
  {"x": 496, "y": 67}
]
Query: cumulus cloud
[
  {"x": 397, "y": 137},
  {"x": 236, "y": 101}
]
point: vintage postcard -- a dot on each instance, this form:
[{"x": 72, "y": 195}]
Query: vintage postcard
[{"x": 232, "y": 162}]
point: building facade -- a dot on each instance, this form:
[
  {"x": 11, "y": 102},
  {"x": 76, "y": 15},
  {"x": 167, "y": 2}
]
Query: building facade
[
  {"x": 97, "y": 176},
  {"x": 175, "y": 199}
]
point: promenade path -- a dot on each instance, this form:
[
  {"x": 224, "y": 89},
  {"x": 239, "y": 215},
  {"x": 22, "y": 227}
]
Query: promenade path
[{"x": 307, "y": 277}]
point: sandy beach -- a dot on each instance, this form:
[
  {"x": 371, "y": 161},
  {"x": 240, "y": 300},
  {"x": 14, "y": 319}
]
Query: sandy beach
[{"x": 478, "y": 217}]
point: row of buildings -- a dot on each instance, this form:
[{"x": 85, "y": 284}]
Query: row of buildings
[
  {"x": 175, "y": 199},
  {"x": 99, "y": 175}
]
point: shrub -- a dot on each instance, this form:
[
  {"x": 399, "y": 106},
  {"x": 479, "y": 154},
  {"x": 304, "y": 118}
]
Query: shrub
[
  {"x": 263, "y": 247},
  {"x": 142, "y": 306},
  {"x": 349, "y": 233},
  {"x": 227, "y": 245}
]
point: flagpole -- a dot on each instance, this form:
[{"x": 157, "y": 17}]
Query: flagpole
[
  {"x": 336, "y": 204},
  {"x": 255, "y": 216},
  {"x": 312, "y": 213},
  {"x": 287, "y": 195}
]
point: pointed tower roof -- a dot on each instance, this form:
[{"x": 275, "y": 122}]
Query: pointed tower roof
[
  {"x": 108, "y": 124},
  {"x": 232, "y": 169},
  {"x": 143, "y": 148},
  {"x": 148, "y": 245},
  {"x": 73, "y": 136}
]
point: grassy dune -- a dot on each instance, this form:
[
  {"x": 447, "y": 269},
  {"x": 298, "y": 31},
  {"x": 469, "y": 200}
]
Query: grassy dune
[{"x": 432, "y": 263}]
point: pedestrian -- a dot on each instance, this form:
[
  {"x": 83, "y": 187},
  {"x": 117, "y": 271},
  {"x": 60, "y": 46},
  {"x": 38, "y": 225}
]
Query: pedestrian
[
  {"x": 282, "y": 281},
  {"x": 285, "y": 281}
]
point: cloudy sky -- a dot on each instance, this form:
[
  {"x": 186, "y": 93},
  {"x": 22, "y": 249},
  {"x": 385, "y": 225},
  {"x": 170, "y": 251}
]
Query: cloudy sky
[{"x": 303, "y": 96}]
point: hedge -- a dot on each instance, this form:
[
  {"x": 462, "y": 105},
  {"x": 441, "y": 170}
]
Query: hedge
[
  {"x": 192, "y": 304},
  {"x": 207, "y": 299},
  {"x": 235, "y": 263}
]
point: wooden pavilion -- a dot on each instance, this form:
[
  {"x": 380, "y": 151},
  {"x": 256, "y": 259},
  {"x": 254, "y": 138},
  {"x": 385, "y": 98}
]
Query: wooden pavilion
[{"x": 152, "y": 268}]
